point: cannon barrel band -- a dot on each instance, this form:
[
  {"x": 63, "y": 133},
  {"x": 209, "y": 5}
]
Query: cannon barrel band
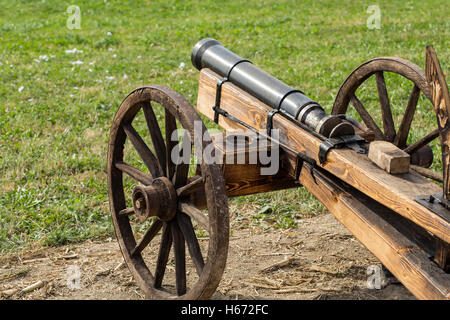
[{"x": 210, "y": 53}]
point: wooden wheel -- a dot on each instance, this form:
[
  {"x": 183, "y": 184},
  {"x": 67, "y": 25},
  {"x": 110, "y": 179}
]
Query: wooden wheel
[
  {"x": 151, "y": 193},
  {"x": 385, "y": 128}
]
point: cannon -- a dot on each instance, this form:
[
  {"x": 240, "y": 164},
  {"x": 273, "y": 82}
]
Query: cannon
[
  {"x": 290, "y": 102},
  {"x": 169, "y": 192}
]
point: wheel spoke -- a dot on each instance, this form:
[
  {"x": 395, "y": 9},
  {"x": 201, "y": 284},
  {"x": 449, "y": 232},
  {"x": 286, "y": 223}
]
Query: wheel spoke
[
  {"x": 170, "y": 127},
  {"x": 180, "y": 258},
  {"x": 144, "y": 152},
  {"x": 148, "y": 237},
  {"x": 194, "y": 185},
  {"x": 403, "y": 131},
  {"x": 189, "y": 209},
  {"x": 386, "y": 113},
  {"x": 135, "y": 173},
  {"x": 182, "y": 168},
  {"x": 425, "y": 140},
  {"x": 370, "y": 123},
  {"x": 163, "y": 255},
  {"x": 185, "y": 224},
  {"x": 155, "y": 133},
  {"x": 126, "y": 212}
]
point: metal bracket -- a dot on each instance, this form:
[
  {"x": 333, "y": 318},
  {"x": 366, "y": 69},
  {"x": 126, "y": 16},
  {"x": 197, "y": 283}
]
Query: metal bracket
[
  {"x": 298, "y": 166},
  {"x": 270, "y": 121},
  {"x": 301, "y": 157},
  {"x": 351, "y": 142},
  {"x": 436, "y": 203},
  {"x": 216, "y": 107}
]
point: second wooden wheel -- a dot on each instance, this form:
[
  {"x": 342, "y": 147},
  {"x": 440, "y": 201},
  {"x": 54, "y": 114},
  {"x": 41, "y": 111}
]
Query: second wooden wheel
[
  {"x": 400, "y": 133},
  {"x": 151, "y": 186}
]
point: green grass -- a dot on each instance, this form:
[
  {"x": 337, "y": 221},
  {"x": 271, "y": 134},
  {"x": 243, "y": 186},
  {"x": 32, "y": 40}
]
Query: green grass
[{"x": 54, "y": 130}]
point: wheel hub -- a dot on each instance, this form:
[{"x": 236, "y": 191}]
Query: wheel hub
[
  {"x": 156, "y": 200},
  {"x": 423, "y": 157}
]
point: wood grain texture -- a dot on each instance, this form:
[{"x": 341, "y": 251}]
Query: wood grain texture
[
  {"x": 395, "y": 192},
  {"x": 156, "y": 135},
  {"x": 179, "y": 252},
  {"x": 388, "y": 122},
  {"x": 194, "y": 213},
  {"x": 405, "y": 125},
  {"x": 389, "y": 157},
  {"x": 367, "y": 118},
  {"x": 442, "y": 255},
  {"x": 403, "y": 257},
  {"x": 135, "y": 173},
  {"x": 148, "y": 236},
  {"x": 163, "y": 255},
  {"x": 242, "y": 167},
  {"x": 441, "y": 102},
  {"x": 185, "y": 224},
  {"x": 242, "y": 179},
  {"x": 143, "y": 150}
]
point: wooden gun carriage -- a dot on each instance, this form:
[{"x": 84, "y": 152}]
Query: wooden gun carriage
[{"x": 401, "y": 216}]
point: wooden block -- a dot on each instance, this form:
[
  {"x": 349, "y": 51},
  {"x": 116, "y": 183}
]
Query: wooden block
[
  {"x": 241, "y": 165},
  {"x": 389, "y": 157}
]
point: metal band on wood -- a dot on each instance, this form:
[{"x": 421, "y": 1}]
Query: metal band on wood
[
  {"x": 270, "y": 121},
  {"x": 216, "y": 107},
  {"x": 351, "y": 142}
]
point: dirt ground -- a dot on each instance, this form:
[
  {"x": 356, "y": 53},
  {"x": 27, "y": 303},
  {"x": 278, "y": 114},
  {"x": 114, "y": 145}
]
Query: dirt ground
[{"x": 319, "y": 259}]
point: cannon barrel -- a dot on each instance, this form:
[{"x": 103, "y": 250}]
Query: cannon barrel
[{"x": 291, "y": 102}]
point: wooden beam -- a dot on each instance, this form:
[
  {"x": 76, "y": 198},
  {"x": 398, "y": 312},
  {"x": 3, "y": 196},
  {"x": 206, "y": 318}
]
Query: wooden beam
[
  {"x": 395, "y": 192},
  {"x": 409, "y": 263}
]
